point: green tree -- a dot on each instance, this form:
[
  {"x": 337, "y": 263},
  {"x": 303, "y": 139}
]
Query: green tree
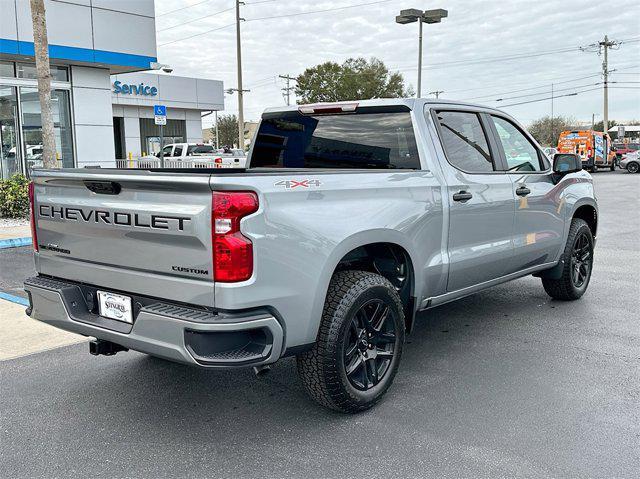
[
  {"x": 600, "y": 125},
  {"x": 546, "y": 130},
  {"x": 355, "y": 79},
  {"x": 228, "y": 129}
]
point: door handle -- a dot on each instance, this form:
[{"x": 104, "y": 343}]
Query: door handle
[
  {"x": 462, "y": 196},
  {"x": 523, "y": 191}
]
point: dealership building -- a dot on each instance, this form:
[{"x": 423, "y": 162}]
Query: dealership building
[{"x": 103, "y": 92}]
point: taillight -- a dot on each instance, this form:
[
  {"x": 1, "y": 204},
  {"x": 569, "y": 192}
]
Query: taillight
[
  {"x": 218, "y": 160},
  {"x": 232, "y": 252},
  {"x": 32, "y": 215}
]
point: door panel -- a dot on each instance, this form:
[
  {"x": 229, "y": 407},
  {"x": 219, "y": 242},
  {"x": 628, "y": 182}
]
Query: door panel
[
  {"x": 481, "y": 201},
  {"x": 539, "y": 223},
  {"x": 480, "y": 229}
]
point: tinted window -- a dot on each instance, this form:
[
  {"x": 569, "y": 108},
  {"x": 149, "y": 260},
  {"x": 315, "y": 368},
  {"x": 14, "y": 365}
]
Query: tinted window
[
  {"x": 362, "y": 140},
  {"x": 520, "y": 153},
  {"x": 465, "y": 143},
  {"x": 199, "y": 149},
  {"x": 177, "y": 151}
]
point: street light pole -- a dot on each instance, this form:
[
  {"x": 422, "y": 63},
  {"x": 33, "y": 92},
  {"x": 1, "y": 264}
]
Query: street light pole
[
  {"x": 411, "y": 15},
  {"x": 240, "y": 90}
]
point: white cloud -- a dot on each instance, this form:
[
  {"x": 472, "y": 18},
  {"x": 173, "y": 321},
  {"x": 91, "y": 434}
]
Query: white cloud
[{"x": 473, "y": 30}]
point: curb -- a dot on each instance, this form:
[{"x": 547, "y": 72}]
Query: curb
[
  {"x": 14, "y": 299},
  {"x": 15, "y": 242}
]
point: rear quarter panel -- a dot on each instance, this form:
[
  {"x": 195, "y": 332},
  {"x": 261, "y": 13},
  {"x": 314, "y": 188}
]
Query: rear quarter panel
[{"x": 301, "y": 233}]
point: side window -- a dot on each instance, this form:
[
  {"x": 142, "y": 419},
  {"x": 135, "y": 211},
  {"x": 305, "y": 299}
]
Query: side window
[
  {"x": 464, "y": 141},
  {"x": 520, "y": 153},
  {"x": 177, "y": 151},
  {"x": 166, "y": 151}
]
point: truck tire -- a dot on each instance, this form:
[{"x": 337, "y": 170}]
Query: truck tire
[
  {"x": 577, "y": 264},
  {"x": 359, "y": 344}
]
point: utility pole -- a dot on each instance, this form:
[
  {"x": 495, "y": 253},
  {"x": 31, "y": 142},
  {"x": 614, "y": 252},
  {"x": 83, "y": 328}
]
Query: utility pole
[
  {"x": 552, "y": 132},
  {"x": 436, "y": 93},
  {"x": 239, "y": 89},
  {"x": 41, "y": 47},
  {"x": 419, "y": 59},
  {"x": 606, "y": 44},
  {"x": 288, "y": 89},
  {"x": 593, "y": 121},
  {"x": 603, "y": 48}
]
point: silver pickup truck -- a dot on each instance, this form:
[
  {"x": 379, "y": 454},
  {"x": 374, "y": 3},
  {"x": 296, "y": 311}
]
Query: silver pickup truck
[{"x": 349, "y": 219}]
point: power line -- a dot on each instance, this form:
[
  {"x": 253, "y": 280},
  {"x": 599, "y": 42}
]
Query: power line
[
  {"x": 182, "y": 8},
  {"x": 196, "y": 35},
  {"x": 549, "y": 98},
  {"x": 195, "y": 19},
  {"x": 334, "y": 9}
]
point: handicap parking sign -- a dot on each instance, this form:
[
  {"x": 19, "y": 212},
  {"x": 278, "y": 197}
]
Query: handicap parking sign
[{"x": 160, "y": 114}]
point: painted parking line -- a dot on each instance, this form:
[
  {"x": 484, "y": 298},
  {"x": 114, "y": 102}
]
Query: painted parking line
[
  {"x": 15, "y": 242},
  {"x": 14, "y": 299}
]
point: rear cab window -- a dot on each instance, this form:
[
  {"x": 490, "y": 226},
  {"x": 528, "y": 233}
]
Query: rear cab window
[
  {"x": 199, "y": 149},
  {"x": 369, "y": 138}
]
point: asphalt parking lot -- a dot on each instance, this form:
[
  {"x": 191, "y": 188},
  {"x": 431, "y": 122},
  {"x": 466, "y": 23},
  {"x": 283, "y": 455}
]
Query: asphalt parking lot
[{"x": 505, "y": 383}]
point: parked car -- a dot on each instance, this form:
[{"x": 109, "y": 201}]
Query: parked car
[
  {"x": 624, "y": 148},
  {"x": 199, "y": 155},
  {"x": 350, "y": 218},
  {"x": 631, "y": 162}
]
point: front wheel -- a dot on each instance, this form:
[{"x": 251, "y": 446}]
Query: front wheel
[
  {"x": 633, "y": 167},
  {"x": 359, "y": 344},
  {"x": 577, "y": 264}
]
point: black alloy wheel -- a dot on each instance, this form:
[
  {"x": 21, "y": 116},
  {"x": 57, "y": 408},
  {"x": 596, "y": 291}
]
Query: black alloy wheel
[
  {"x": 581, "y": 260},
  {"x": 369, "y": 345}
]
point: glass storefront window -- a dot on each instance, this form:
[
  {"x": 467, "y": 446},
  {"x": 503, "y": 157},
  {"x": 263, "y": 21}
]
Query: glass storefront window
[
  {"x": 32, "y": 127},
  {"x": 10, "y": 148},
  {"x": 28, "y": 70},
  {"x": 6, "y": 70}
]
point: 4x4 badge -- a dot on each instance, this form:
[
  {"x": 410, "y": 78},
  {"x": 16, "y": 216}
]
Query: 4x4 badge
[{"x": 291, "y": 184}]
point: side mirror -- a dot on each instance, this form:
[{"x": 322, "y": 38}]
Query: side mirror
[{"x": 564, "y": 163}]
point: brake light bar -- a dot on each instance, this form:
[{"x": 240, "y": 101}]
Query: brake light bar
[
  {"x": 32, "y": 215},
  {"x": 232, "y": 251},
  {"x": 327, "y": 108}
]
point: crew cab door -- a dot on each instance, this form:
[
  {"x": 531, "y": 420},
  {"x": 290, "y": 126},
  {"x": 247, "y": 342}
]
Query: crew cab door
[
  {"x": 481, "y": 200},
  {"x": 539, "y": 219}
]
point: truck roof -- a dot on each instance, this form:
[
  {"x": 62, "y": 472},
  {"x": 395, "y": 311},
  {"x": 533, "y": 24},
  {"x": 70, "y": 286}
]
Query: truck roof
[{"x": 411, "y": 103}]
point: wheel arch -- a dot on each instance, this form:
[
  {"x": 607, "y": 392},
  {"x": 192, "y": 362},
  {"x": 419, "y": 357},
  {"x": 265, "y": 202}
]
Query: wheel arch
[
  {"x": 589, "y": 213},
  {"x": 357, "y": 252}
]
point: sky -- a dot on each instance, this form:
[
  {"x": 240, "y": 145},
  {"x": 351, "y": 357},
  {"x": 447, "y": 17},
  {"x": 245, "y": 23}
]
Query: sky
[{"x": 492, "y": 52}]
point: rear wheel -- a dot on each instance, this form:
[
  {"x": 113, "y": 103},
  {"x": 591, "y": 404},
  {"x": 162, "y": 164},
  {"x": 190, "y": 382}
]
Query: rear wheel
[
  {"x": 633, "y": 167},
  {"x": 358, "y": 349},
  {"x": 577, "y": 264}
]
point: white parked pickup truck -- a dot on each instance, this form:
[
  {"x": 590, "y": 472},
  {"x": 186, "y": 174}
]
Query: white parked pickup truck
[{"x": 200, "y": 154}]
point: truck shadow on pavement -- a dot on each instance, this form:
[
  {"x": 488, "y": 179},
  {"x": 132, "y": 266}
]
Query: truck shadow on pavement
[{"x": 160, "y": 395}]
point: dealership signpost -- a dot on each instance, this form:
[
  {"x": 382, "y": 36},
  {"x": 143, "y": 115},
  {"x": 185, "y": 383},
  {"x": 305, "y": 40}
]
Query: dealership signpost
[{"x": 160, "y": 118}]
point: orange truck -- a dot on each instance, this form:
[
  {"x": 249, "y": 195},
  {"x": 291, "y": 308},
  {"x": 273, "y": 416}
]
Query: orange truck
[{"x": 594, "y": 147}]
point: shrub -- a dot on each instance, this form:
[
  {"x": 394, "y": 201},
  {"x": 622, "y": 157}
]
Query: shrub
[{"x": 14, "y": 197}]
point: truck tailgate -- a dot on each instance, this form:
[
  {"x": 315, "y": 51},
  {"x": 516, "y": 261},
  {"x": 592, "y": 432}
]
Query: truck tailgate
[{"x": 139, "y": 231}]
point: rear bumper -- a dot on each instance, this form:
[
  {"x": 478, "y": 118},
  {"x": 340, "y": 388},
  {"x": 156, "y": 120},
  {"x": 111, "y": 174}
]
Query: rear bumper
[{"x": 171, "y": 331}]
